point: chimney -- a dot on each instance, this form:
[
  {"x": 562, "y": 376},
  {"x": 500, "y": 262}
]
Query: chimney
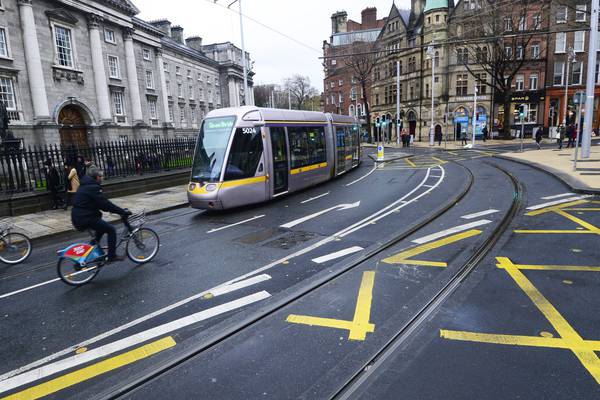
[
  {"x": 339, "y": 22},
  {"x": 164, "y": 25},
  {"x": 369, "y": 18},
  {"x": 194, "y": 42},
  {"x": 177, "y": 33}
]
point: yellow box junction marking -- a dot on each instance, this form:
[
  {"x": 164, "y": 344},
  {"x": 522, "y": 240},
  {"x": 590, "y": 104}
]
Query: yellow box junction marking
[
  {"x": 569, "y": 339},
  {"x": 404, "y": 256},
  {"x": 561, "y": 209},
  {"x": 93, "y": 370},
  {"x": 360, "y": 325}
]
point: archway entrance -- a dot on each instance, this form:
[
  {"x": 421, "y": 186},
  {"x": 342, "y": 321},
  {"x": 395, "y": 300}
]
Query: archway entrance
[
  {"x": 412, "y": 122},
  {"x": 73, "y": 131}
]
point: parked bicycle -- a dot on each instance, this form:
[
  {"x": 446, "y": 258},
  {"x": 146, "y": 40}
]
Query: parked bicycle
[
  {"x": 15, "y": 247},
  {"x": 79, "y": 263}
]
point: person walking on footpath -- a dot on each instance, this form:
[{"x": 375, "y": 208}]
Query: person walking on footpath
[
  {"x": 561, "y": 136},
  {"x": 484, "y": 132},
  {"x": 570, "y": 136},
  {"x": 538, "y": 137},
  {"x": 72, "y": 184},
  {"x": 463, "y": 137},
  {"x": 438, "y": 137},
  {"x": 53, "y": 184}
]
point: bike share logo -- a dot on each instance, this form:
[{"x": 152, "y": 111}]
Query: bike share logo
[{"x": 79, "y": 250}]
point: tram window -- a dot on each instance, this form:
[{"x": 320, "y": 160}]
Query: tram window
[
  {"x": 307, "y": 146},
  {"x": 245, "y": 154},
  {"x": 340, "y": 136}
]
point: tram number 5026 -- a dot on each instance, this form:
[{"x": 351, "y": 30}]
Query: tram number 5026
[{"x": 248, "y": 131}]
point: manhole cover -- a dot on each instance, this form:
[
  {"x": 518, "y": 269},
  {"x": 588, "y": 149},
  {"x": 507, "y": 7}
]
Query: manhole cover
[{"x": 290, "y": 239}]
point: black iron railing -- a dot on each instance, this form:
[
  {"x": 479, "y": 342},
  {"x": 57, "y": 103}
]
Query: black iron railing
[{"x": 23, "y": 169}]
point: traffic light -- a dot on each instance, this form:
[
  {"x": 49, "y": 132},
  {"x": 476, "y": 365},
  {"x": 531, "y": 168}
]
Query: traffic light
[
  {"x": 522, "y": 111},
  {"x": 383, "y": 121},
  {"x": 377, "y": 122}
]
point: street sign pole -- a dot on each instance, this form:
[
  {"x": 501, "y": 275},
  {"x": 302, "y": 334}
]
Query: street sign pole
[
  {"x": 474, "y": 114},
  {"x": 589, "y": 86},
  {"x": 398, "y": 103},
  {"x": 578, "y": 100}
]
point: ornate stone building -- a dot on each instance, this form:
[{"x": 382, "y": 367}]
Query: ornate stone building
[{"x": 76, "y": 72}]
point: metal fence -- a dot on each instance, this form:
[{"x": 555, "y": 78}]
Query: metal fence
[{"x": 23, "y": 170}]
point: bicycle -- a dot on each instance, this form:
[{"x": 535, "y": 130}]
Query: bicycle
[
  {"x": 15, "y": 247},
  {"x": 79, "y": 263}
]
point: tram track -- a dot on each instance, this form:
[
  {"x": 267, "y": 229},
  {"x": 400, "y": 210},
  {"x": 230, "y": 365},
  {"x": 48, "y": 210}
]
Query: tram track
[
  {"x": 265, "y": 311},
  {"x": 351, "y": 387}
]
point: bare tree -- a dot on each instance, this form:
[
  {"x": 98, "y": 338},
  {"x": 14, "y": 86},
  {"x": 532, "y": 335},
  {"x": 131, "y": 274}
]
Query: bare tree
[
  {"x": 262, "y": 95},
  {"x": 361, "y": 61},
  {"x": 300, "y": 90},
  {"x": 495, "y": 40}
]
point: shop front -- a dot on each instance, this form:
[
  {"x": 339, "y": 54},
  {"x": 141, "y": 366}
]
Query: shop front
[
  {"x": 555, "y": 108},
  {"x": 534, "y": 100}
]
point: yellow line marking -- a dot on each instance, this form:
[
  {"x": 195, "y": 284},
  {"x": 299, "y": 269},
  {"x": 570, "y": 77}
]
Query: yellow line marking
[
  {"x": 556, "y": 207},
  {"x": 581, "y": 209},
  {"x": 550, "y": 231},
  {"x": 579, "y": 221},
  {"x": 572, "y": 268},
  {"x": 409, "y": 162},
  {"x": 404, "y": 256},
  {"x": 360, "y": 325},
  {"x": 93, "y": 370},
  {"x": 439, "y": 160}
]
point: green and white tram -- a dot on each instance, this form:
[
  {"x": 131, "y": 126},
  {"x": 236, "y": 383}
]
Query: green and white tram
[{"x": 248, "y": 155}]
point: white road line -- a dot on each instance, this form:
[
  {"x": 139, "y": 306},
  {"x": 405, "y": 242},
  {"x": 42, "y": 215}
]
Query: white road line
[
  {"x": 28, "y": 288},
  {"x": 237, "y": 223},
  {"x": 480, "y": 214},
  {"x": 428, "y": 186},
  {"x": 215, "y": 291},
  {"x": 557, "y": 196},
  {"x": 314, "y": 198},
  {"x": 127, "y": 342},
  {"x": 339, "y": 207},
  {"x": 337, "y": 254},
  {"x": 451, "y": 231},
  {"x": 555, "y": 202},
  {"x": 364, "y": 176}
]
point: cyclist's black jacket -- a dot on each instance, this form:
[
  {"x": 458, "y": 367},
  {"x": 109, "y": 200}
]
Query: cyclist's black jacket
[{"x": 88, "y": 202}]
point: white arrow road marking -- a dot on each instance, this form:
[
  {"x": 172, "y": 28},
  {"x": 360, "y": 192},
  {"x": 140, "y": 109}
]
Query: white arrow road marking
[
  {"x": 479, "y": 214},
  {"x": 451, "y": 231},
  {"x": 314, "y": 198},
  {"x": 337, "y": 254},
  {"x": 557, "y": 196},
  {"x": 130, "y": 341},
  {"x": 215, "y": 291},
  {"x": 315, "y": 215},
  {"x": 555, "y": 202},
  {"x": 237, "y": 223}
]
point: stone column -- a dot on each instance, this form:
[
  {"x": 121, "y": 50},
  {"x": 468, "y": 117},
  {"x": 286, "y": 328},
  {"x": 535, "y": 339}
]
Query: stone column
[
  {"x": 163, "y": 86},
  {"x": 132, "y": 77},
  {"x": 35, "y": 72},
  {"x": 102, "y": 93}
]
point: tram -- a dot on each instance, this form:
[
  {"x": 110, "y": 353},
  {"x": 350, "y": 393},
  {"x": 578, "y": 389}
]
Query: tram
[{"x": 247, "y": 155}]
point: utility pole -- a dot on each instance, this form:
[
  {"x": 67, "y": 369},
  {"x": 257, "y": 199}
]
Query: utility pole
[
  {"x": 586, "y": 139},
  {"x": 397, "y": 103},
  {"x": 289, "y": 98},
  {"x": 431, "y": 54},
  {"x": 474, "y": 114},
  {"x": 570, "y": 59}
]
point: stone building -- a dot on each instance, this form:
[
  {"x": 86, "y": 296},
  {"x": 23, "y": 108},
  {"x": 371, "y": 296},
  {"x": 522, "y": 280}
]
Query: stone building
[{"x": 77, "y": 72}]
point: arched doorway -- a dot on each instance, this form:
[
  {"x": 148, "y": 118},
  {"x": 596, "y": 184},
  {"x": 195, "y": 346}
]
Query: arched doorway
[
  {"x": 73, "y": 129},
  {"x": 461, "y": 122},
  {"x": 412, "y": 122}
]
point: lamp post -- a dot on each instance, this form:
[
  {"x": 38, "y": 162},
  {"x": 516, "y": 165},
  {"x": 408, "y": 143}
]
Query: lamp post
[
  {"x": 397, "y": 103},
  {"x": 570, "y": 59},
  {"x": 586, "y": 139},
  {"x": 431, "y": 55},
  {"x": 474, "y": 115},
  {"x": 244, "y": 66}
]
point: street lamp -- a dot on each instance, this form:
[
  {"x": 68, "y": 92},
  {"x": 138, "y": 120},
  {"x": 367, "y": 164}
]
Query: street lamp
[
  {"x": 431, "y": 55},
  {"x": 245, "y": 69},
  {"x": 570, "y": 59},
  {"x": 474, "y": 114}
]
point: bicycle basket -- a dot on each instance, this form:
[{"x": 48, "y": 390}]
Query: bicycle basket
[
  {"x": 5, "y": 224},
  {"x": 136, "y": 220}
]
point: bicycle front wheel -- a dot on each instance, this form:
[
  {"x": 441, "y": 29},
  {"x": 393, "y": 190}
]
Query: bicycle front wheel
[
  {"x": 72, "y": 273},
  {"x": 14, "y": 248},
  {"x": 143, "y": 246}
]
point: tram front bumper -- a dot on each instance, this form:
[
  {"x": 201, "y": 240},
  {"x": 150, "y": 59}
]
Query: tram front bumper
[{"x": 204, "y": 196}]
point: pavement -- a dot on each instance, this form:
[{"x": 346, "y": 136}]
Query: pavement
[{"x": 50, "y": 223}]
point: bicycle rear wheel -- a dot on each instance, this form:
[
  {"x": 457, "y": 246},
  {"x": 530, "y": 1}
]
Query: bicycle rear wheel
[
  {"x": 143, "y": 246},
  {"x": 14, "y": 248},
  {"x": 71, "y": 273}
]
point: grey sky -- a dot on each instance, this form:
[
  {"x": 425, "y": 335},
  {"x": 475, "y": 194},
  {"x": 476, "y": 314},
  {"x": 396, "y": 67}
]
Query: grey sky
[{"x": 275, "y": 57}]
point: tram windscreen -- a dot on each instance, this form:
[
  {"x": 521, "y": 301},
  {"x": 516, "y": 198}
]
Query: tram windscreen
[{"x": 211, "y": 147}]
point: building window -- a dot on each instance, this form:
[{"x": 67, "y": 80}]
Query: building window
[
  {"x": 152, "y": 109},
  {"x": 376, "y": 99},
  {"x": 561, "y": 42},
  {"x": 519, "y": 83},
  {"x": 109, "y": 36},
  {"x": 559, "y": 67},
  {"x": 481, "y": 54},
  {"x": 171, "y": 114},
  {"x": 177, "y": 70},
  {"x": 461, "y": 84},
  {"x": 340, "y": 82},
  {"x": 597, "y": 71},
  {"x": 535, "y": 51},
  {"x": 210, "y": 97},
  {"x": 201, "y": 94},
  {"x": 149, "y": 79},
  {"x": 333, "y": 61},
  {"x": 180, "y": 90},
  {"x": 579, "y": 42},
  {"x": 118, "y": 103},
  {"x": 113, "y": 67},
  {"x": 166, "y": 66},
  {"x": 537, "y": 21},
  {"x": 332, "y": 84},
  {"x": 580, "y": 12},
  {"x": 4, "y": 48},
  {"x": 520, "y": 52},
  {"x": 481, "y": 86},
  {"x": 189, "y": 73},
  {"x": 216, "y": 81},
  {"x": 522, "y": 22},
  {"x": 168, "y": 85},
  {"x": 193, "y": 115},
  {"x": 533, "y": 82},
  {"x": 7, "y": 93},
  {"x": 146, "y": 54},
  {"x": 436, "y": 59},
  {"x": 508, "y": 52},
  {"x": 508, "y": 24},
  {"x": 561, "y": 14},
  {"x": 577, "y": 73},
  {"x": 64, "y": 46},
  {"x": 191, "y": 92},
  {"x": 462, "y": 56}
]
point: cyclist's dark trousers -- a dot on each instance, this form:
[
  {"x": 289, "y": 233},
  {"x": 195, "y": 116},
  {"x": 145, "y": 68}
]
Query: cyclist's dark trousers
[{"x": 101, "y": 227}]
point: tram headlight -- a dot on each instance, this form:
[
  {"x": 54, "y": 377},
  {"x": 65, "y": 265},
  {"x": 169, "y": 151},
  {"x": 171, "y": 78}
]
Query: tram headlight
[
  {"x": 192, "y": 187},
  {"x": 211, "y": 187}
]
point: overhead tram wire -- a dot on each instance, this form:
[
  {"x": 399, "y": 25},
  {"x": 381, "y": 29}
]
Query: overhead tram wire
[{"x": 267, "y": 27}]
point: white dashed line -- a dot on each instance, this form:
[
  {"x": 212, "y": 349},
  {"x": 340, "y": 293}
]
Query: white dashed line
[
  {"x": 479, "y": 214},
  {"x": 451, "y": 231},
  {"x": 337, "y": 254}
]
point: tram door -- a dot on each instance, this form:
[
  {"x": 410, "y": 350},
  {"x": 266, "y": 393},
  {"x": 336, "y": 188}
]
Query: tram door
[{"x": 280, "y": 160}]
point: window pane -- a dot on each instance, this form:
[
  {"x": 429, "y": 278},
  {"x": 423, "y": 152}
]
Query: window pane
[
  {"x": 7, "y": 93},
  {"x": 561, "y": 39},
  {"x": 3, "y": 44},
  {"x": 558, "y": 72},
  {"x": 64, "y": 47},
  {"x": 245, "y": 154}
]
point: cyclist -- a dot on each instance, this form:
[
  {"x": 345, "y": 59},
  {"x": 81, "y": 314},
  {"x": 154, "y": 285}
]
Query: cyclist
[{"x": 86, "y": 214}]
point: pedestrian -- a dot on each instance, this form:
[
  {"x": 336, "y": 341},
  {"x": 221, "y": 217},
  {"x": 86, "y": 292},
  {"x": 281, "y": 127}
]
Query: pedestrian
[
  {"x": 570, "y": 136},
  {"x": 438, "y": 137},
  {"x": 403, "y": 137},
  {"x": 538, "y": 137},
  {"x": 80, "y": 166},
  {"x": 484, "y": 132},
  {"x": 53, "y": 184},
  {"x": 561, "y": 136},
  {"x": 110, "y": 167},
  {"x": 463, "y": 137},
  {"x": 73, "y": 184}
]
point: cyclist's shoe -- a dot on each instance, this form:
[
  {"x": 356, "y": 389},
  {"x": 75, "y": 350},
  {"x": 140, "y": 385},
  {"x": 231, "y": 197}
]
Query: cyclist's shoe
[{"x": 116, "y": 259}]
